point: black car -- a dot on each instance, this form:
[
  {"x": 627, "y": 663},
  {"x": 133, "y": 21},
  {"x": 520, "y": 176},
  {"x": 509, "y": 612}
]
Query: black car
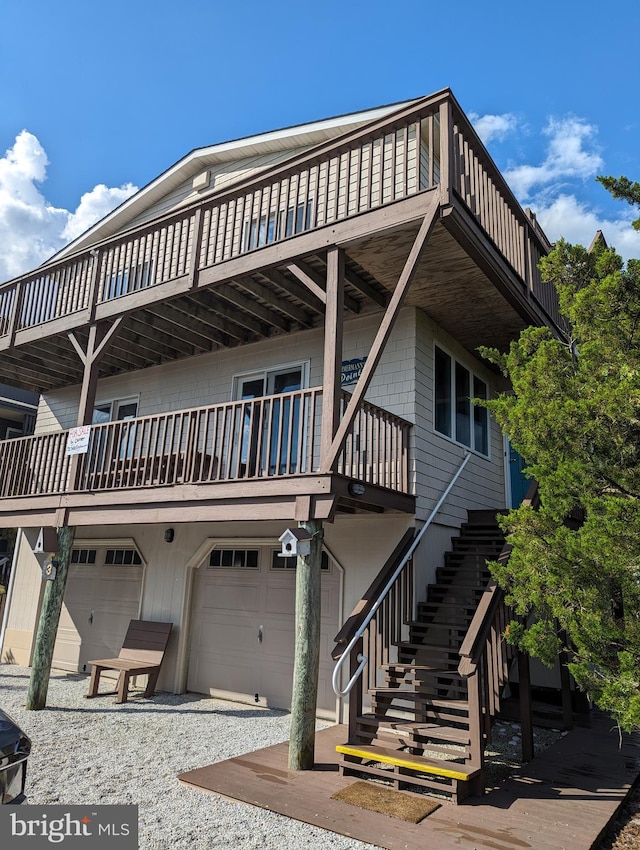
[{"x": 14, "y": 751}]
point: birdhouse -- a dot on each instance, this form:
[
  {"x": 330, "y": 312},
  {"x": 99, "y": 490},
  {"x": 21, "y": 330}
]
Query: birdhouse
[
  {"x": 295, "y": 541},
  {"x": 47, "y": 541}
]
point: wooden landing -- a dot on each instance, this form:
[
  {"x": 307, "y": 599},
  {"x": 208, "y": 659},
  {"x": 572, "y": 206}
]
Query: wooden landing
[{"x": 562, "y": 800}]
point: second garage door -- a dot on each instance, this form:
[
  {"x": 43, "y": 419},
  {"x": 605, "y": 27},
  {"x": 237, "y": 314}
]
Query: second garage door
[
  {"x": 101, "y": 597},
  {"x": 242, "y": 633}
]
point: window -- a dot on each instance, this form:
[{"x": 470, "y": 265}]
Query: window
[
  {"x": 256, "y": 233},
  {"x": 119, "y": 410},
  {"x": 234, "y": 559},
  {"x": 115, "y": 411},
  {"x": 127, "y": 557},
  {"x": 130, "y": 279},
  {"x": 279, "y": 562},
  {"x": 454, "y": 414},
  {"x": 83, "y": 556}
]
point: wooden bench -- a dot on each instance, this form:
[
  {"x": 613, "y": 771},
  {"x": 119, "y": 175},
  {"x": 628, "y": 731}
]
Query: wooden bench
[{"x": 142, "y": 652}]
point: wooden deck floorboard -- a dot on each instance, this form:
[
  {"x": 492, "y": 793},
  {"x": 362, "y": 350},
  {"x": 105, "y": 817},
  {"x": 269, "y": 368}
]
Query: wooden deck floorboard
[{"x": 562, "y": 800}]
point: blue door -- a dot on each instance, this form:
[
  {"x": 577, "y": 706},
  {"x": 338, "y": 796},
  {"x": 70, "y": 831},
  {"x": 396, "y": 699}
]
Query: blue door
[{"x": 519, "y": 482}]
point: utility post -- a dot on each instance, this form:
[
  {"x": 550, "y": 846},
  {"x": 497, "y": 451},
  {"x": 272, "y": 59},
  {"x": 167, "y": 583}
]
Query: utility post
[
  {"x": 307, "y": 651},
  {"x": 48, "y": 623}
]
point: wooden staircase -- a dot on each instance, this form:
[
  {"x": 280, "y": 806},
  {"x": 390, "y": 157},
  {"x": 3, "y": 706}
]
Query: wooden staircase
[{"x": 431, "y": 702}]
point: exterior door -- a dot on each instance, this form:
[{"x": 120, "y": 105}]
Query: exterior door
[
  {"x": 271, "y": 427},
  {"x": 519, "y": 482}
]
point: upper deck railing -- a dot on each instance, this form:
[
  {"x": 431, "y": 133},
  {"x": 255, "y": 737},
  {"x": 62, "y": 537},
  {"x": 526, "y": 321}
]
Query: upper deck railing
[{"x": 426, "y": 145}]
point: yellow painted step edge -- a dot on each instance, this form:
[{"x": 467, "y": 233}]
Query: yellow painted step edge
[{"x": 400, "y": 762}]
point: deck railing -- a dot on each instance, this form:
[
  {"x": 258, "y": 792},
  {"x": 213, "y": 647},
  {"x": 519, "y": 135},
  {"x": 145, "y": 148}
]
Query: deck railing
[
  {"x": 267, "y": 437},
  {"x": 418, "y": 148}
]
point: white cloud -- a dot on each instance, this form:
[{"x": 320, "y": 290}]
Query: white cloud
[
  {"x": 491, "y": 127},
  {"x": 568, "y": 157},
  {"x": 31, "y": 228},
  {"x": 574, "y": 221},
  {"x": 93, "y": 206}
]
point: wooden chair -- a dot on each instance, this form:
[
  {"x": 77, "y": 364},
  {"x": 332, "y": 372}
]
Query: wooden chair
[{"x": 142, "y": 652}]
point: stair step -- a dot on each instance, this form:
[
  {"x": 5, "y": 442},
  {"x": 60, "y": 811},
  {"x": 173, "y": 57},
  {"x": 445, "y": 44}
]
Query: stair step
[
  {"x": 411, "y": 729},
  {"x": 420, "y": 668},
  {"x": 484, "y": 515},
  {"x": 417, "y": 696},
  {"x": 442, "y": 648},
  {"x": 451, "y": 619},
  {"x": 420, "y": 764},
  {"x": 457, "y": 605},
  {"x": 460, "y": 622},
  {"x": 459, "y": 585}
]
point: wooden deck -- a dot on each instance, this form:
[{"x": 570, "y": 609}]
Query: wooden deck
[{"x": 562, "y": 800}]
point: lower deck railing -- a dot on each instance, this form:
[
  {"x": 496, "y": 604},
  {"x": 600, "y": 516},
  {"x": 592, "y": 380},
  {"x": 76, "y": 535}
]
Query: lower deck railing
[{"x": 259, "y": 438}]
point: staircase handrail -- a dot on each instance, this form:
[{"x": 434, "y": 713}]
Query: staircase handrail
[
  {"x": 363, "y": 607},
  {"x": 493, "y": 596},
  {"x": 362, "y": 659}
]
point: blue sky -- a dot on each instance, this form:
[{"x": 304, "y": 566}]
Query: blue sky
[{"x": 97, "y": 99}]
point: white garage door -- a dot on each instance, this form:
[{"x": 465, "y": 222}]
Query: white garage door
[
  {"x": 242, "y": 633},
  {"x": 101, "y": 597}
]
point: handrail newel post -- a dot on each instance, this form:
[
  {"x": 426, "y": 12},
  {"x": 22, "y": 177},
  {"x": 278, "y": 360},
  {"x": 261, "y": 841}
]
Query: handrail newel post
[
  {"x": 476, "y": 728},
  {"x": 356, "y": 697}
]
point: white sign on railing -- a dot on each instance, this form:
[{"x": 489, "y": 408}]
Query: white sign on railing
[{"x": 78, "y": 440}]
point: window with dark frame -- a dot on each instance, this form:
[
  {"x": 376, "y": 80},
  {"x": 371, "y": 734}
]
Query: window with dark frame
[
  {"x": 234, "y": 559},
  {"x": 83, "y": 556},
  {"x": 454, "y": 414},
  {"x": 124, "y": 557}
]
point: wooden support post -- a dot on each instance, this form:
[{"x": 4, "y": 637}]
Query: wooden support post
[
  {"x": 97, "y": 343},
  {"x": 331, "y": 389},
  {"x": 384, "y": 331},
  {"x": 48, "y": 623},
  {"x": 307, "y": 652},
  {"x": 526, "y": 713},
  {"x": 99, "y": 339},
  {"x": 447, "y": 170}
]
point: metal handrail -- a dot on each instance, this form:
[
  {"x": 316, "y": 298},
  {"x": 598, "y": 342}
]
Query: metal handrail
[{"x": 362, "y": 659}]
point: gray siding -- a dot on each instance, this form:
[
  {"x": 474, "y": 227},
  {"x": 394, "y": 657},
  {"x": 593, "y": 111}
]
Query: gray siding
[{"x": 222, "y": 175}]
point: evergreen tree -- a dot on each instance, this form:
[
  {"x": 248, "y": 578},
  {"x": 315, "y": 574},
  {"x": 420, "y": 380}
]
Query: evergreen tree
[{"x": 574, "y": 415}]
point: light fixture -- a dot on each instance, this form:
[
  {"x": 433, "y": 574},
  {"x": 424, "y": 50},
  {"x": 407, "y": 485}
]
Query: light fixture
[
  {"x": 168, "y": 535},
  {"x": 355, "y": 488}
]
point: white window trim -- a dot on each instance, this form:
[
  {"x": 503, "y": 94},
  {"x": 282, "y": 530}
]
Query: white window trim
[
  {"x": 129, "y": 399},
  {"x": 473, "y": 374},
  {"x": 303, "y": 365},
  {"x": 105, "y": 543}
]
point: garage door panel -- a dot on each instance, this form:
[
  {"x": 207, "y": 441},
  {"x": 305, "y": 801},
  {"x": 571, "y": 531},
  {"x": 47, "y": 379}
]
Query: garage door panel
[
  {"x": 228, "y": 676},
  {"x": 279, "y": 641},
  {"x": 228, "y": 596},
  {"x": 226, "y": 633},
  {"x": 280, "y": 599}
]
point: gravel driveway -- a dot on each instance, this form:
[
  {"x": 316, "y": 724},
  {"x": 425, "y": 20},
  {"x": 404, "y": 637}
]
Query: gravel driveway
[{"x": 98, "y": 752}]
